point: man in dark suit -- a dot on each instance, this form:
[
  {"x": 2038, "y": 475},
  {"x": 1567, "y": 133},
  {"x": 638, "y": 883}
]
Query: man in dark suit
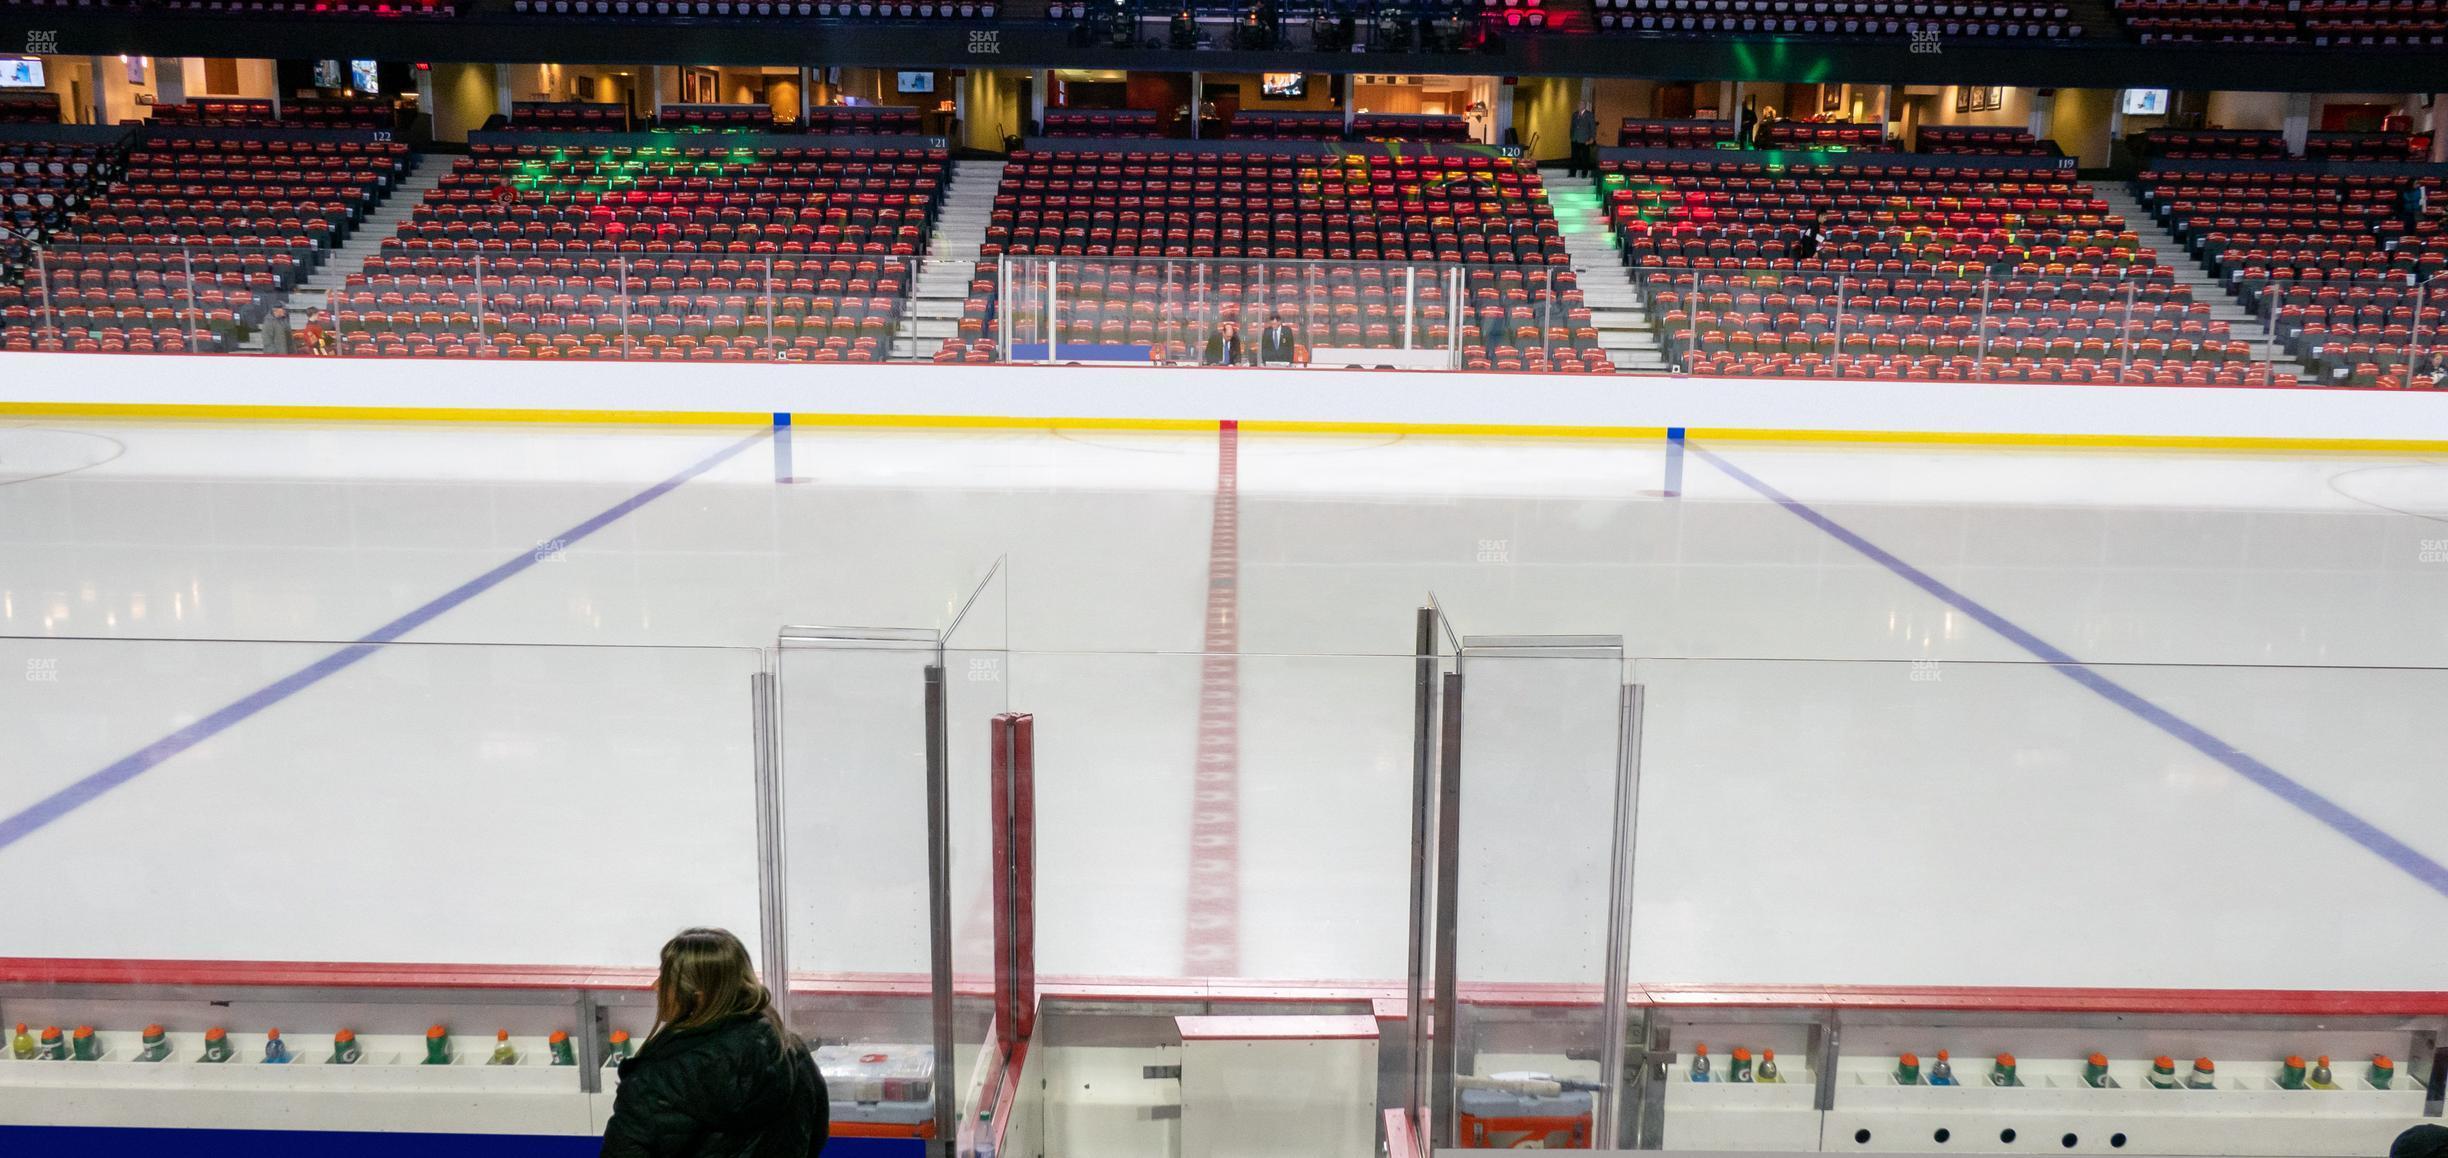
[{"x": 1278, "y": 343}]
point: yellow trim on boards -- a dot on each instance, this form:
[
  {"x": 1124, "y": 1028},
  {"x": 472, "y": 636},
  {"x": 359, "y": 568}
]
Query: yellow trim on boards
[{"x": 1260, "y": 426}]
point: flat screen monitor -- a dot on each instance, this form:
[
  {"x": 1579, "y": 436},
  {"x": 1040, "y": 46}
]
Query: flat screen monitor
[
  {"x": 1283, "y": 86},
  {"x": 2146, "y": 102},
  {"x": 916, "y": 82},
  {"x": 363, "y": 77},
  {"x": 21, "y": 73}
]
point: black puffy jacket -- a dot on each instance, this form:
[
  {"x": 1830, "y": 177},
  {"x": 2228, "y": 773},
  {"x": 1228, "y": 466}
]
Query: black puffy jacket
[{"x": 723, "y": 1090}]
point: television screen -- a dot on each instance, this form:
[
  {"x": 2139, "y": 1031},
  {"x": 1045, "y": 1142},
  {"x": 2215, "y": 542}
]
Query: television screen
[
  {"x": 1283, "y": 86},
  {"x": 327, "y": 74},
  {"x": 2146, "y": 102},
  {"x": 21, "y": 74},
  {"x": 362, "y": 76},
  {"x": 917, "y": 82}
]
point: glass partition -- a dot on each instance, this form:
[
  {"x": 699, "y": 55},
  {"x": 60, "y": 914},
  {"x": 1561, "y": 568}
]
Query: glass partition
[{"x": 602, "y": 771}]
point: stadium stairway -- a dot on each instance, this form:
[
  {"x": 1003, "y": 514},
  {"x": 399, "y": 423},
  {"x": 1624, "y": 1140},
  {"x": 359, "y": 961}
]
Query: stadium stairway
[
  {"x": 1606, "y": 286},
  {"x": 365, "y": 241},
  {"x": 2193, "y": 275},
  {"x": 944, "y": 274}
]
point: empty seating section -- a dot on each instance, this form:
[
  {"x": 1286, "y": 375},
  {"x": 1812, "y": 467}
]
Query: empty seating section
[
  {"x": 197, "y": 239},
  {"x": 2376, "y": 22},
  {"x": 218, "y": 113},
  {"x": 1949, "y": 273},
  {"x": 767, "y": 9},
  {"x": 43, "y": 184},
  {"x": 568, "y": 117},
  {"x": 2364, "y": 147},
  {"x": 1158, "y": 249},
  {"x": 1270, "y": 125},
  {"x": 1102, "y": 123},
  {"x": 677, "y": 253},
  {"x": 2330, "y": 260},
  {"x": 1978, "y": 140},
  {"x": 2225, "y": 21},
  {"x": 717, "y": 118},
  {"x": 1988, "y": 19},
  {"x": 1409, "y": 127},
  {"x": 2214, "y": 144},
  {"x": 1827, "y": 135},
  {"x": 41, "y": 108},
  {"x": 863, "y": 120},
  {"x": 1636, "y": 133},
  {"x": 377, "y": 8}
]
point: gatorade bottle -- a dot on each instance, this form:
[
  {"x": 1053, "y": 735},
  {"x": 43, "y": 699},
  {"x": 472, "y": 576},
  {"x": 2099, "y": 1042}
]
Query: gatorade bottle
[
  {"x": 2291, "y": 1075},
  {"x": 2322, "y": 1079},
  {"x": 1942, "y": 1074},
  {"x": 2382, "y": 1071},
  {"x": 276, "y": 1051},
  {"x": 1908, "y": 1070},
  {"x": 503, "y": 1055},
  {"x": 2003, "y": 1073},
  {"x": 156, "y": 1045},
  {"x": 216, "y": 1046},
  {"x": 21, "y": 1046},
  {"x": 1768, "y": 1067},
  {"x": 1700, "y": 1063},
  {"x": 563, "y": 1053},
  {"x": 1740, "y": 1071},
  {"x": 54, "y": 1047},
  {"x": 2204, "y": 1075},
  {"x": 83, "y": 1045},
  {"x": 345, "y": 1050},
  {"x": 2095, "y": 1073},
  {"x": 437, "y": 1047},
  {"x": 2163, "y": 1073},
  {"x": 618, "y": 1050}
]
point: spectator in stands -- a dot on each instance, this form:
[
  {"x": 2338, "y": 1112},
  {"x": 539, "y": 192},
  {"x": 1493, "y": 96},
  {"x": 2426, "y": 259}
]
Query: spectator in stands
[
  {"x": 1224, "y": 345},
  {"x": 1806, "y": 245},
  {"x": 1584, "y": 161},
  {"x": 721, "y": 1074},
  {"x": 2413, "y": 202},
  {"x": 1761, "y": 135}
]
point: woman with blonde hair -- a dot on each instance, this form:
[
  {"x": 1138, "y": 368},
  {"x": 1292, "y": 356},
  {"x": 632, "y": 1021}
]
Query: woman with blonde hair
[{"x": 720, "y": 1075}]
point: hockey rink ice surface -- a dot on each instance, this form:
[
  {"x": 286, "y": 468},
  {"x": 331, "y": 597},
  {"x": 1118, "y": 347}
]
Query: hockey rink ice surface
[{"x": 1914, "y": 715}]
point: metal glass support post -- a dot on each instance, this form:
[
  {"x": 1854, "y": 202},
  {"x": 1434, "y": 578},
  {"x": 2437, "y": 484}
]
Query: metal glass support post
[
  {"x": 1608, "y": 1112},
  {"x": 1053, "y": 332},
  {"x": 1689, "y": 308},
  {"x": 1410, "y": 303},
  {"x": 1980, "y": 368},
  {"x": 1657, "y": 1049},
  {"x": 939, "y": 904},
  {"x": 42, "y": 276},
  {"x": 1423, "y": 800},
  {"x": 478, "y": 258},
  {"x": 771, "y": 353},
  {"x": 624, "y": 303},
  {"x": 1443, "y": 1025},
  {"x": 2125, "y": 338},
  {"x": 773, "y": 908},
  {"x": 187, "y": 259}
]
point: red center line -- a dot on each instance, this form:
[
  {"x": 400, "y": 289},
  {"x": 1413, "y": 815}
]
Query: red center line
[{"x": 1211, "y": 937}]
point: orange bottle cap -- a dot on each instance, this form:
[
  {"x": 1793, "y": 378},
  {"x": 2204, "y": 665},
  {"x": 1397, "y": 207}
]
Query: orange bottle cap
[
  {"x": 1909, "y": 1059},
  {"x": 437, "y": 1031},
  {"x": 1942, "y": 1055},
  {"x": 2324, "y": 1059},
  {"x": 345, "y": 1035},
  {"x": 2202, "y": 1063},
  {"x": 501, "y": 1035},
  {"x": 2295, "y": 1061},
  {"x": 21, "y": 1027},
  {"x": 84, "y": 1031},
  {"x": 155, "y": 1031},
  {"x": 623, "y": 1035},
  {"x": 2099, "y": 1059},
  {"x": 2165, "y": 1062},
  {"x": 2006, "y": 1059},
  {"x": 1701, "y": 1049},
  {"x": 272, "y": 1034},
  {"x": 214, "y": 1034},
  {"x": 50, "y": 1031},
  {"x": 1741, "y": 1054},
  {"x": 1767, "y": 1055},
  {"x": 558, "y": 1036},
  {"x": 2381, "y": 1060}
]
